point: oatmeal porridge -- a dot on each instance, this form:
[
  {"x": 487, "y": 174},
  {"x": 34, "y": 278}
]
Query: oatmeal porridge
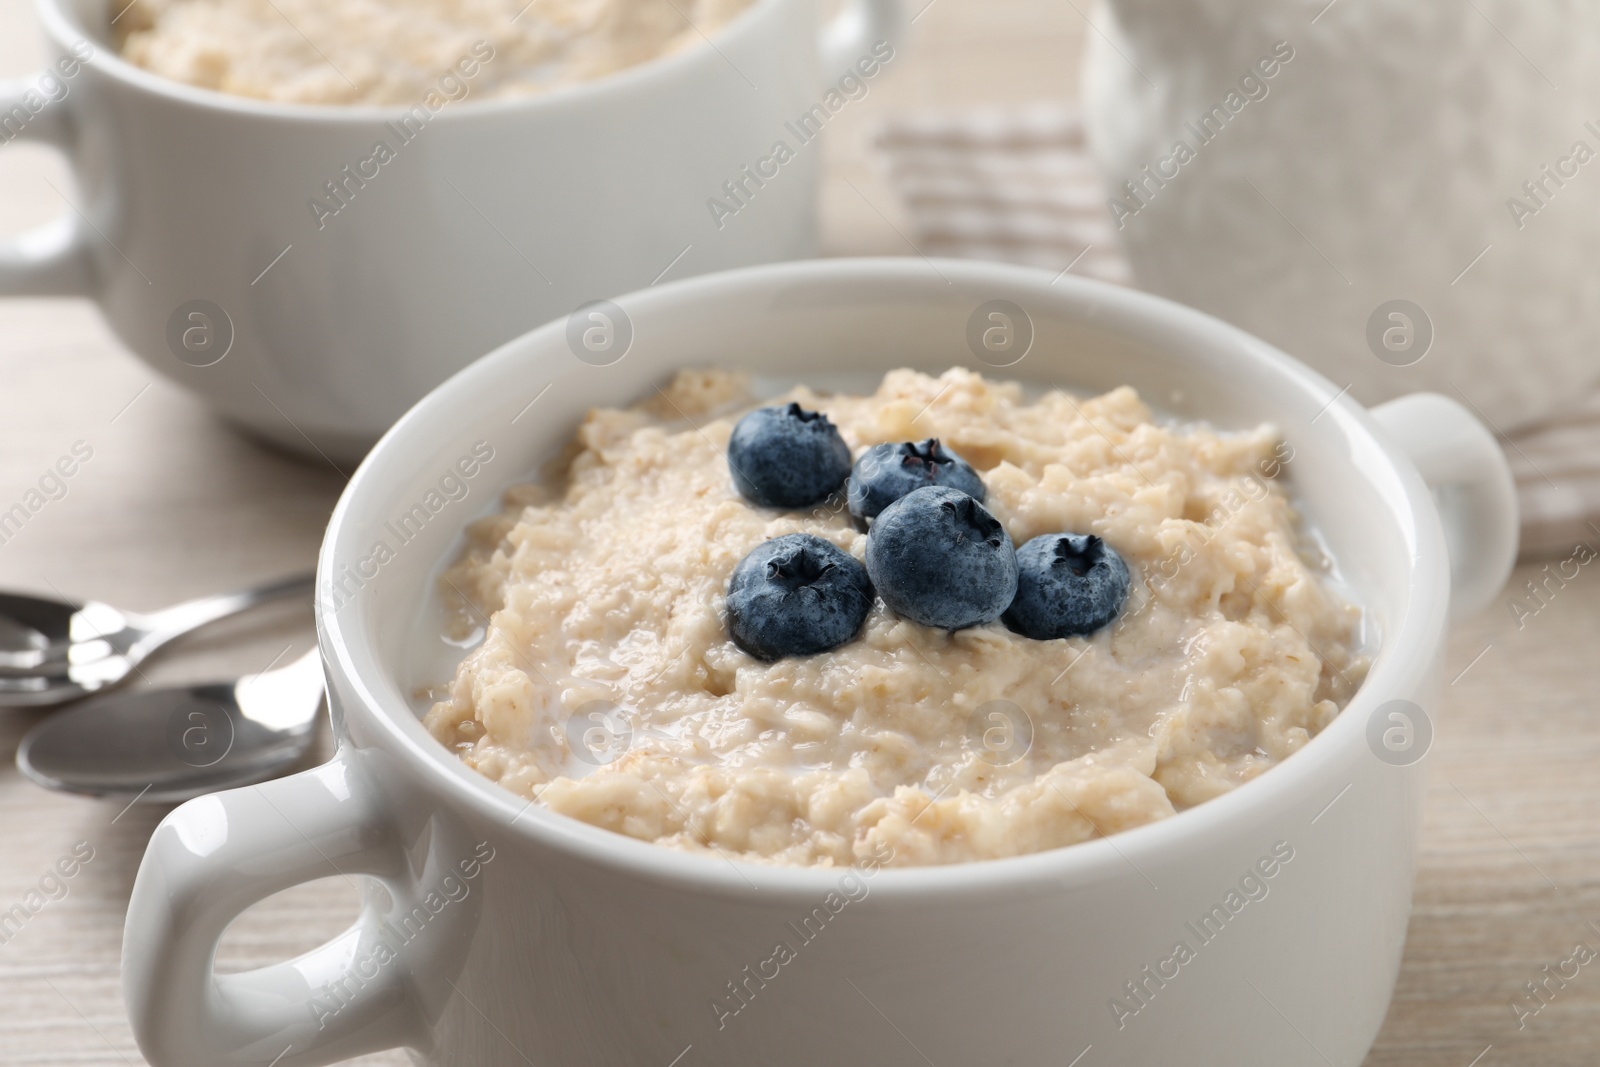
[
  {"x": 620, "y": 682},
  {"x": 401, "y": 51}
]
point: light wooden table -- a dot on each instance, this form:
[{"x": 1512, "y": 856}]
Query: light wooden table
[{"x": 171, "y": 505}]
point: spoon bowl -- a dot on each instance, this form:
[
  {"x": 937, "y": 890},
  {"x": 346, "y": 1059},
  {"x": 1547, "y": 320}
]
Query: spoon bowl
[{"x": 171, "y": 744}]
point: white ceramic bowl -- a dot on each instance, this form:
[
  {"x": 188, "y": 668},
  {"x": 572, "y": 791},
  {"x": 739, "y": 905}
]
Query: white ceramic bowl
[
  {"x": 195, "y": 232},
  {"x": 496, "y": 932}
]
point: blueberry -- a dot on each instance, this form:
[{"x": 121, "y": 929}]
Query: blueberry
[
  {"x": 885, "y": 473},
  {"x": 938, "y": 558},
  {"x": 787, "y": 457},
  {"x": 1069, "y": 584},
  {"x": 797, "y": 595}
]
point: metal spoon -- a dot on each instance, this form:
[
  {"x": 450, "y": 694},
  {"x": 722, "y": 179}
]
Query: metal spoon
[
  {"x": 176, "y": 743},
  {"x": 52, "y": 651}
]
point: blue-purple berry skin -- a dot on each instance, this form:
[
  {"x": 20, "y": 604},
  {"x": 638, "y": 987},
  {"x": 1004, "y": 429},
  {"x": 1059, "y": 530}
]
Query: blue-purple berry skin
[
  {"x": 1068, "y": 585},
  {"x": 787, "y": 457},
  {"x": 885, "y": 473},
  {"x": 797, "y": 595},
  {"x": 939, "y": 558}
]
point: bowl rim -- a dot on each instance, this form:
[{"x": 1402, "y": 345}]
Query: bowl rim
[
  {"x": 64, "y": 28},
  {"x": 1406, "y": 656}
]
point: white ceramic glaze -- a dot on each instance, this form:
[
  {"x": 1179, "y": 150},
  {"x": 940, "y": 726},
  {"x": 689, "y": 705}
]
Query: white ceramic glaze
[
  {"x": 1383, "y": 162},
  {"x": 576, "y": 946},
  {"x": 495, "y": 217}
]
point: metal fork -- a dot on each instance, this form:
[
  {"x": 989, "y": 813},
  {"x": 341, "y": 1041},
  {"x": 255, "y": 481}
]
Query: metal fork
[{"x": 53, "y": 651}]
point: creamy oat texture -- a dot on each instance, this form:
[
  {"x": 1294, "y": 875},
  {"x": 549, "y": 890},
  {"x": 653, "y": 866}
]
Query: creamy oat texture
[
  {"x": 400, "y": 51},
  {"x": 607, "y": 590}
]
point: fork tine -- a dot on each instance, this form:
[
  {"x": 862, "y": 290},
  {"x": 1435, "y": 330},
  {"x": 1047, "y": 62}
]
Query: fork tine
[
  {"x": 32, "y": 659},
  {"x": 58, "y": 666},
  {"x": 56, "y": 669},
  {"x": 32, "y": 684}
]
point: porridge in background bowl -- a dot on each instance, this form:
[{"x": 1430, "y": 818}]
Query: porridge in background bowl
[
  {"x": 397, "y": 51},
  {"x": 605, "y": 593}
]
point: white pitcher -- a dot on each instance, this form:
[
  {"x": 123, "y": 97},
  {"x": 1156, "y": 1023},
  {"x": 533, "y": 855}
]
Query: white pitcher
[{"x": 1404, "y": 194}]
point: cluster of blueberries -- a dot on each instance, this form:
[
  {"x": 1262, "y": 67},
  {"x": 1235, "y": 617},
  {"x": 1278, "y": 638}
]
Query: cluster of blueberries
[{"x": 934, "y": 552}]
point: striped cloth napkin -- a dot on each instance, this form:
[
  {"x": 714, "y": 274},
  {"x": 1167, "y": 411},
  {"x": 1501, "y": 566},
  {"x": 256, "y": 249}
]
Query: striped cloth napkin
[{"x": 1019, "y": 186}]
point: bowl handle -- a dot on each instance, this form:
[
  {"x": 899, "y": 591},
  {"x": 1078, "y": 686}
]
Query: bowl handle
[
  {"x": 1462, "y": 463},
  {"x": 854, "y": 32},
  {"x": 52, "y": 260},
  {"x": 207, "y": 862}
]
